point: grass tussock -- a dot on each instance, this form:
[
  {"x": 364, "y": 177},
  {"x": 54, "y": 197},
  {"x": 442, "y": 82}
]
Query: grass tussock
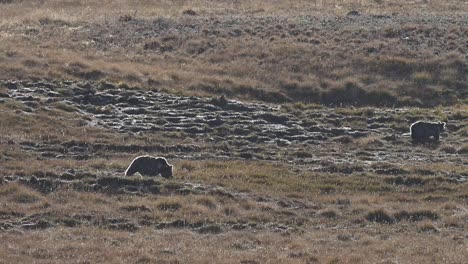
[
  {"x": 171, "y": 204},
  {"x": 17, "y": 193},
  {"x": 274, "y": 178},
  {"x": 427, "y": 227},
  {"x": 463, "y": 149},
  {"x": 380, "y": 216},
  {"x": 416, "y": 215}
]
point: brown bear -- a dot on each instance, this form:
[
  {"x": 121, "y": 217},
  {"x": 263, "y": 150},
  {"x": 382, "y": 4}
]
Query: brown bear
[
  {"x": 422, "y": 131},
  {"x": 150, "y": 166}
]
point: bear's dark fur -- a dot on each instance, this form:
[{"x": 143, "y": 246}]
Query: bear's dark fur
[
  {"x": 150, "y": 166},
  {"x": 422, "y": 131}
]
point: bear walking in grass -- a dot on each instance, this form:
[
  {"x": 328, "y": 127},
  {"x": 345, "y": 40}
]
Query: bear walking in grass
[
  {"x": 150, "y": 166},
  {"x": 422, "y": 131}
]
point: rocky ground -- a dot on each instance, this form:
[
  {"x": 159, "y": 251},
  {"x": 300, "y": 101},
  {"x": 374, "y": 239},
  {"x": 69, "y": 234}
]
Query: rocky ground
[
  {"x": 346, "y": 142},
  {"x": 218, "y": 128}
]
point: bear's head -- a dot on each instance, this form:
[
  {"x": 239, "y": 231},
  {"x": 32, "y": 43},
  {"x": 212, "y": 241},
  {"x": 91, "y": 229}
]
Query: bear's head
[
  {"x": 166, "y": 171},
  {"x": 441, "y": 126}
]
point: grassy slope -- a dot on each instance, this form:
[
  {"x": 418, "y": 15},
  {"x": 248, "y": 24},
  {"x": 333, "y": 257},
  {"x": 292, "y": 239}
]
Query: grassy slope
[
  {"x": 331, "y": 216},
  {"x": 393, "y": 54},
  {"x": 227, "y": 211}
]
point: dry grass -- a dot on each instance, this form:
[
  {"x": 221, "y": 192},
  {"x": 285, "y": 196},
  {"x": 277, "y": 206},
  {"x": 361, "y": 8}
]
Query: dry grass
[
  {"x": 18, "y": 194},
  {"x": 267, "y": 51},
  {"x": 343, "y": 199},
  {"x": 132, "y": 227},
  {"x": 89, "y": 10},
  {"x": 175, "y": 246}
]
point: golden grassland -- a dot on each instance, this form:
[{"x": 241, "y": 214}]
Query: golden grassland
[
  {"x": 229, "y": 210},
  {"x": 394, "y": 53},
  {"x": 85, "y": 9},
  {"x": 303, "y": 54},
  {"x": 232, "y": 211},
  {"x": 346, "y": 226}
]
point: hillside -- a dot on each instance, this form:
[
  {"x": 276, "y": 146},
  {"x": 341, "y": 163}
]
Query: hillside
[{"x": 287, "y": 123}]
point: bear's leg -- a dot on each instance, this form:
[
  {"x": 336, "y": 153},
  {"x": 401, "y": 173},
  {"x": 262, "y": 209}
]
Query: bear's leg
[{"x": 414, "y": 134}]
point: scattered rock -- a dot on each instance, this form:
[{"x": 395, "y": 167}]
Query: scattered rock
[{"x": 284, "y": 137}]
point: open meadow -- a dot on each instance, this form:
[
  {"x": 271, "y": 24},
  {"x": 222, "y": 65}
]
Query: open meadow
[{"x": 287, "y": 123}]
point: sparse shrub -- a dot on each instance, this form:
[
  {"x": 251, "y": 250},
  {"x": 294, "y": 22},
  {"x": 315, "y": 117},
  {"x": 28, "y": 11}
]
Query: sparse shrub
[
  {"x": 449, "y": 149},
  {"x": 210, "y": 229},
  {"x": 166, "y": 44},
  {"x": 92, "y": 198},
  {"x": 407, "y": 181},
  {"x": 106, "y": 110},
  {"x": 187, "y": 166},
  {"x": 189, "y": 12},
  {"x": 169, "y": 205},
  {"x": 463, "y": 149},
  {"x": 349, "y": 94},
  {"x": 344, "y": 168},
  {"x": 352, "y": 93},
  {"x": 344, "y": 139},
  {"x": 20, "y": 194},
  {"x": 380, "y": 216},
  {"x": 388, "y": 168},
  {"x": 343, "y": 201},
  {"x": 380, "y": 98},
  {"x": 302, "y": 154},
  {"x": 133, "y": 208},
  {"x": 344, "y": 237},
  {"x": 197, "y": 47},
  {"x": 230, "y": 210},
  {"x": 332, "y": 260},
  {"x": 416, "y": 215},
  {"x": 249, "y": 261},
  {"x": 421, "y": 78},
  {"x": 31, "y": 63},
  {"x": 64, "y": 107},
  {"x": 458, "y": 115},
  {"x": 304, "y": 92},
  {"x": 453, "y": 222},
  {"x": 391, "y": 32},
  {"x": 247, "y": 205},
  {"x": 305, "y": 106},
  {"x": 84, "y": 73},
  {"x": 397, "y": 67},
  {"x": 427, "y": 227},
  {"x": 329, "y": 214},
  {"x": 327, "y": 189},
  {"x": 261, "y": 94},
  {"x": 125, "y": 18},
  {"x": 206, "y": 201},
  {"x": 48, "y": 21},
  {"x": 154, "y": 45},
  {"x": 352, "y": 111},
  {"x": 25, "y": 197}
]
